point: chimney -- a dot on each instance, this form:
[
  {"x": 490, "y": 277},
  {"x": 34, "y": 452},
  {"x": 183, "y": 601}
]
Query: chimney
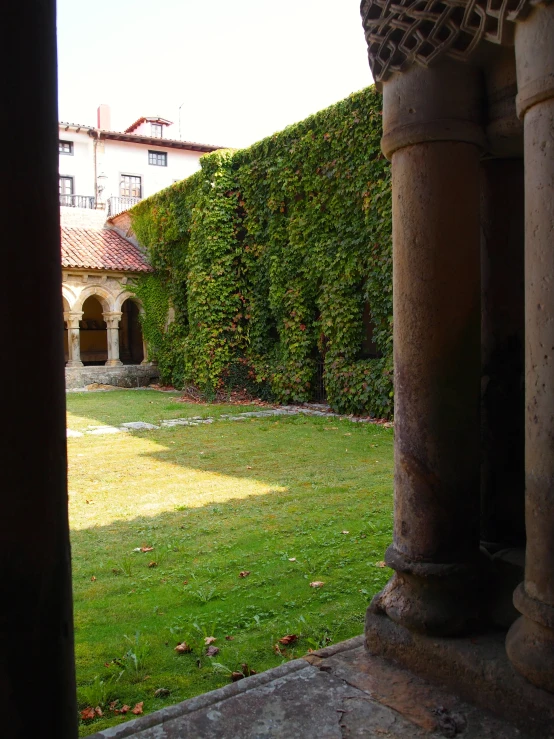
[{"x": 104, "y": 117}]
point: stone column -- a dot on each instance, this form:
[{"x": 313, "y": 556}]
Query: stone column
[
  {"x": 112, "y": 319},
  {"x": 432, "y": 131},
  {"x": 530, "y": 641},
  {"x": 144, "y": 352},
  {"x": 73, "y": 338}
]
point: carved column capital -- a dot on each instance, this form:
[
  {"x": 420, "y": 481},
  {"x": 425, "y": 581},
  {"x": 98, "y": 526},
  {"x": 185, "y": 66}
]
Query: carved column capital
[
  {"x": 409, "y": 32},
  {"x": 535, "y": 60},
  {"x": 73, "y": 318},
  {"x": 420, "y": 107},
  {"x": 112, "y": 318}
]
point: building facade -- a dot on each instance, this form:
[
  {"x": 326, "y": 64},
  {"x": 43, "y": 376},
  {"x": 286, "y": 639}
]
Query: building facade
[
  {"x": 103, "y": 173},
  {"x": 112, "y": 170},
  {"x": 103, "y": 340}
]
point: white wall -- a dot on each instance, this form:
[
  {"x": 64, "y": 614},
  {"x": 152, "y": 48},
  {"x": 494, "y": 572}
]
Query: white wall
[
  {"x": 80, "y": 164},
  {"x": 116, "y": 158},
  {"x": 145, "y": 129}
]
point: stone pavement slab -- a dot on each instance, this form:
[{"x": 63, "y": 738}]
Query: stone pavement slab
[
  {"x": 139, "y": 426},
  {"x": 287, "y": 410},
  {"x": 337, "y": 693},
  {"x": 99, "y": 430}
]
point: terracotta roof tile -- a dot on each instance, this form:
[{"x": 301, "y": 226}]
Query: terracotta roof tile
[{"x": 87, "y": 248}]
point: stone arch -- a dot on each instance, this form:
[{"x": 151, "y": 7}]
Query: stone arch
[
  {"x": 93, "y": 331},
  {"x": 105, "y": 298},
  {"x": 66, "y": 309},
  {"x": 126, "y": 295},
  {"x": 69, "y": 297},
  {"x": 132, "y": 348}
]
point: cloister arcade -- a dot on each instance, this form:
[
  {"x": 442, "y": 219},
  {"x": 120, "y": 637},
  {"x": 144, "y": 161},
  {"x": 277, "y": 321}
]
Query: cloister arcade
[{"x": 101, "y": 324}]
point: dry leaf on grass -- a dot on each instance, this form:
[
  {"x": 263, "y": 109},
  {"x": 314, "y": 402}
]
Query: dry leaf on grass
[
  {"x": 125, "y": 709},
  {"x": 317, "y": 584},
  {"x": 137, "y": 710},
  {"x": 236, "y": 676},
  {"x": 292, "y": 559},
  {"x": 345, "y": 532},
  {"x": 244, "y": 573},
  {"x": 183, "y": 648},
  {"x": 230, "y": 638},
  {"x": 212, "y": 651},
  {"x": 288, "y": 639},
  {"x": 88, "y": 714},
  {"x": 93, "y": 579},
  {"x": 98, "y": 711},
  {"x": 209, "y": 639},
  {"x": 162, "y": 692},
  {"x": 381, "y": 564},
  {"x": 147, "y": 549},
  {"x": 152, "y": 564}
]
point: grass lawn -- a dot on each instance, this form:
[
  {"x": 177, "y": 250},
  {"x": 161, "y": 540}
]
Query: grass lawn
[{"x": 291, "y": 500}]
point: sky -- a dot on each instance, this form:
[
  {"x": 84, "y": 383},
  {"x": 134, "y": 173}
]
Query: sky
[{"x": 241, "y": 69}]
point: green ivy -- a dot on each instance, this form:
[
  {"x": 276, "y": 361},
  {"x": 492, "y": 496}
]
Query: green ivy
[
  {"x": 153, "y": 295},
  {"x": 270, "y": 255}
]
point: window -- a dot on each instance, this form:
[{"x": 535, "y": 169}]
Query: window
[
  {"x": 130, "y": 186},
  {"x": 66, "y": 190},
  {"x": 158, "y": 158},
  {"x": 66, "y": 185},
  {"x": 156, "y": 130},
  {"x": 65, "y": 147}
]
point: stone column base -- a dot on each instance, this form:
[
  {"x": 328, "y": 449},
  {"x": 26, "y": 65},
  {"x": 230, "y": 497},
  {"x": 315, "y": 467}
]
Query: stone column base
[
  {"x": 430, "y": 597},
  {"x": 530, "y": 640},
  {"x": 476, "y": 668}
]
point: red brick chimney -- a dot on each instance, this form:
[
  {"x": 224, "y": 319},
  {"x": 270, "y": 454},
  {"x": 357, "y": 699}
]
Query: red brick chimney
[{"x": 104, "y": 117}]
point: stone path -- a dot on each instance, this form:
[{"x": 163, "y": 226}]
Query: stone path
[
  {"x": 336, "y": 693},
  {"x": 309, "y": 409}
]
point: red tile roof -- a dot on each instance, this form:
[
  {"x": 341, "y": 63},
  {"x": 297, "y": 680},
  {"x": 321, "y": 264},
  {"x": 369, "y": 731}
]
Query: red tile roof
[
  {"x": 152, "y": 119},
  {"x": 87, "y": 248}
]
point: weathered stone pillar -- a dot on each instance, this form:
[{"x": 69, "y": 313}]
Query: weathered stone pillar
[
  {"x": 502, "y": 335},
  {"x": 112, "y": 319},
  {"x": 36, "y": 616},
  {"x": 73, "y": 339},
  {"x": 432, "y": 131},
  {"x": 530, "y": 641}
]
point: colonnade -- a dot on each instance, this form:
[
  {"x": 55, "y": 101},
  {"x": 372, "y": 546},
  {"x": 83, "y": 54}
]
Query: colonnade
[
  {"x": 112, "y": 319},
  {"x": 463, "y": 165}
]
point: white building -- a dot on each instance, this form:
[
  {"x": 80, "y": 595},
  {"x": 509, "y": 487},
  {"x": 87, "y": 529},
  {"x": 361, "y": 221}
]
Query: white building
[
  {"x": 103, "y": 173},
  {"x": 101, "y": 168}
]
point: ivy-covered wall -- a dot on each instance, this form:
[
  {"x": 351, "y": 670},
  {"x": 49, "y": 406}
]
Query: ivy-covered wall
[{"x": 277, "y": 258}]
